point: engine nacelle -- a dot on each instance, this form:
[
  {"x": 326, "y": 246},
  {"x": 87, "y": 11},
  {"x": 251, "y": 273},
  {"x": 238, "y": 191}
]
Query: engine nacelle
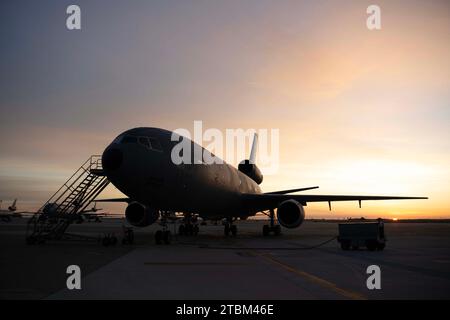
[
  {"x": 251, "y": 170},
  {"x": 140, "y": 215},
  {"x": 290, "y": 214}
]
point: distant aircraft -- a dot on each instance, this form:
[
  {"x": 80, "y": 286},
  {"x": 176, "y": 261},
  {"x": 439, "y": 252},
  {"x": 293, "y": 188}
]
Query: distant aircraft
[
  {"x": 13, "y": 206},
  {"x": 6, "y": 215},
  {"x": 91, "y": 215},
  {"x": 138, "y": 162}
]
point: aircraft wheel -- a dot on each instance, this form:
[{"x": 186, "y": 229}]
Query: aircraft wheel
[
  {"x": 181, "y": 230},
  {"x": 277, "y": 230},
  {"x": 158, "y": 237},
  {"x": 227, "y": 230},
  {"x": 196, "y": 230},
  {"x": 233, "y": 229},
  {"x": 265, "y": 230},
  {"x": 380, "y": 246},
  {"x": 130, "y": 237},
  {"x": 167, "y": 236}
]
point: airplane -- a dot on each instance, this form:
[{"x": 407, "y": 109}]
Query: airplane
[
  {"x": 138, "y": 163},
  {"x": 91, "y": 214},
  {"x": 6, "y": 215}
]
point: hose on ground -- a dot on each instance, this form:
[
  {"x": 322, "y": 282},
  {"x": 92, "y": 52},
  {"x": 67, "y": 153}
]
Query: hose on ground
[{"x": 205, "y": 246}]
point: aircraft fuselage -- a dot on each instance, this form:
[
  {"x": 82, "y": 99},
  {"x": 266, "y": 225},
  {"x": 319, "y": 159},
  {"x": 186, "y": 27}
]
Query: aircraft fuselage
[{"x": 138, "y": 162}]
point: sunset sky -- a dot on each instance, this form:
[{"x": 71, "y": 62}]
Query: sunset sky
[{"x": 359, "y": 111}]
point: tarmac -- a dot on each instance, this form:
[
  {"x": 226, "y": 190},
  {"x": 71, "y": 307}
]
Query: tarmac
[{"x": 414, "y": 265}]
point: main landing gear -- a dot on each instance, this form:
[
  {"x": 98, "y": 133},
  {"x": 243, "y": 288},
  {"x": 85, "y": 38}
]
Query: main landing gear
[
  {"x": 189, "y": 227},
  {"x": 164, "y": 235},
  {"x": 272, "y": 227},
  {"x": 229, "y": 227}
]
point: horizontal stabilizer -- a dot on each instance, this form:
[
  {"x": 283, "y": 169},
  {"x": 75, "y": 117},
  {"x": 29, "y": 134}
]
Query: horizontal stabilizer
[{"x": 291, "y": 190}]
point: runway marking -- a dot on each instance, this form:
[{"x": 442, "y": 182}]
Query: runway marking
[
  {"x": 322, "y": 282},
  {"x": 195, "y": 264}
]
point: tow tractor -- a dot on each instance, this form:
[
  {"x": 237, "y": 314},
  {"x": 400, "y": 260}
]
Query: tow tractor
[{"x": 354, "y": 235}]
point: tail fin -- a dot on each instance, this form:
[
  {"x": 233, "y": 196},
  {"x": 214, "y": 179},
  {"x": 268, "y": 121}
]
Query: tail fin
[
  {"x": 248, "y": 166},
  {"x": 13, "y": 206},
  {"x": 252, "y": 158}
]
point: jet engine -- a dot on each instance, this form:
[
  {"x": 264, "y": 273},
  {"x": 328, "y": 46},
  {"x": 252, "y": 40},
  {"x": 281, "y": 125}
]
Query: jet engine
[
  {"x": 251, "y": 170},
  {"x": 290, "y": 214},
  {"x": 140, "y": 215}
]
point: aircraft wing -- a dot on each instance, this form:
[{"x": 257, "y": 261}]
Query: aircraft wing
[
  {"x": 270, "y": 201},
  {"x": 127, "y": 200}
]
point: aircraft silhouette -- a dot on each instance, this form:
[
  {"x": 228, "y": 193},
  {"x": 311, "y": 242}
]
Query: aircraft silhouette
[
  {"x": 7, "y": 215},
  {"x": 138, "y": 162}
]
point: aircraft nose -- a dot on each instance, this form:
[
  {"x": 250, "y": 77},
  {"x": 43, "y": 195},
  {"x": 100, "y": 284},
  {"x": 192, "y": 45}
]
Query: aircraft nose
[{"x": 112, "y": 158}]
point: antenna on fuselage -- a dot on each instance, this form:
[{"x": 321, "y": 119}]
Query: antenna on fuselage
[{"x": 252, "y": 158}]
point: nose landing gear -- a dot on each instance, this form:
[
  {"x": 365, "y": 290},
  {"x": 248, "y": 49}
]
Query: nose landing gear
[
  {"x": 188, "y": 229},
  {"x": 272, "y": 227},
  {"x": 164, "y": 235},
  {"x": 189, "y": 226},
  {"x": 229, "y": 227}
]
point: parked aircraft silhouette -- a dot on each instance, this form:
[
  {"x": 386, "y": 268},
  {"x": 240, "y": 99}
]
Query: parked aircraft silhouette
[{"x": 138, "y": 162}]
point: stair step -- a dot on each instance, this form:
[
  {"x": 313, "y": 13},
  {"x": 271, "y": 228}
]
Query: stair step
[{"x": 74, "y": 195}]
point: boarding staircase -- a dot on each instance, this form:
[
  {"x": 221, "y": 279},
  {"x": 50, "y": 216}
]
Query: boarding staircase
[{"x": 67, "y": 205}]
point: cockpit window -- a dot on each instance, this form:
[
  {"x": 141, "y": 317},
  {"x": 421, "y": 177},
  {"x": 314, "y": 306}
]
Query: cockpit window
[
  {"x": 154, "y": 144},
  {"x": 149, "y": 143},
  {"x": 144, "y": 141},
  {"x": 129, "y": 139}
]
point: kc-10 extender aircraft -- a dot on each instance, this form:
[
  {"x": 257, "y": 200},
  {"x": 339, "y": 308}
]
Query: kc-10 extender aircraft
[{"x": 138, "y": 162}]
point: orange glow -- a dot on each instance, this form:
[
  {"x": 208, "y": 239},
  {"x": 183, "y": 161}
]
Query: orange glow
[{"x": 359, "y": 111}]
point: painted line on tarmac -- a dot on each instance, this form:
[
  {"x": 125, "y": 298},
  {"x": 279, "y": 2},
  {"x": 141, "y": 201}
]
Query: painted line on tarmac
[{"x": 312, "y": 278}]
